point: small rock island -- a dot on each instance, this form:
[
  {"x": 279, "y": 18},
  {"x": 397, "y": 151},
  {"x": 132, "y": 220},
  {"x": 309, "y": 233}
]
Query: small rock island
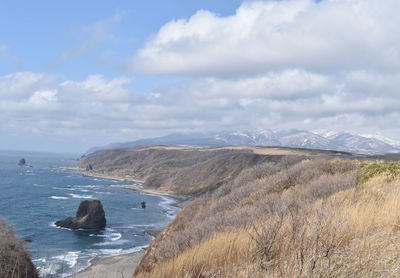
[{"x": 90, "y": 215}]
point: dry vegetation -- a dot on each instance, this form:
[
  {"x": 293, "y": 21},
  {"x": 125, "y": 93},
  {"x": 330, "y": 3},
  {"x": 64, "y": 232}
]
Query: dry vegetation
[
  {"x": 187, "y": 170},
  {"x": 269, "y": 212},
  {"x": 14, "y": 258},
  {"x": 313, "y": 218}
]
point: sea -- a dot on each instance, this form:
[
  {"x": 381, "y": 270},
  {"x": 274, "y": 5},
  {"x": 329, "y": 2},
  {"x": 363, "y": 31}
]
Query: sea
[{"x": 33, "y": 198}]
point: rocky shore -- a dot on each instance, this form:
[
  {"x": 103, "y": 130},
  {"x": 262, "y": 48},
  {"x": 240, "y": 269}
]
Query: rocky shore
[{"x": 123, "y": 265}]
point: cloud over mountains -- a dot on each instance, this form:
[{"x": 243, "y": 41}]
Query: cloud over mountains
[{"x": 273, "y": 64}]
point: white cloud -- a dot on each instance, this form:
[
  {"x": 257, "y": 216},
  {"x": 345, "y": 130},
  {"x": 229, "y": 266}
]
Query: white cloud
[
  {"x": 43, "y": 99},
  {"x": 99, "y": 110},
  {"x": 265, "y": 36},
  {"x": 273, "y": 64},
  {"x": 21, "y": 84}
]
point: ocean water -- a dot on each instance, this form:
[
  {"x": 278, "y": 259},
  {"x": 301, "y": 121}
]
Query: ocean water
[{"x": 32, "y": 199}]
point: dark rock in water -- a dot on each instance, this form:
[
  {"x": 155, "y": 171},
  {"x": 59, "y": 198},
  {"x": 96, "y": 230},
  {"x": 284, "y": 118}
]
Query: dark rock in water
[
  {"x": 90, "y": 215},
  {"x": 89, "y": 167},
  {"x": 22, "y": 162},
  {"x": 143, "y": 204}
]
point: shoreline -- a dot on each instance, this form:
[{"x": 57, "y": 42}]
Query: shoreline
[
  {"x": 101, "y": 175},
  {"x": 114, "y": 266},
  {"x": 123, "y": 265},
  {"x": 181, "y": 200}
]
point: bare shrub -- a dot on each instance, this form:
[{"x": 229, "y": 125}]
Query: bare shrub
[
  {"x": 14, "y": 258},
  {"x": 275, "y": 203}
]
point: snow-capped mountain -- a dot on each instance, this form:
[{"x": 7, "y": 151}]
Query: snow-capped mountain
[
  {"x": 383, "y": 139},
  {"x": 318, "y": 139},
  {"x": 315, "y": 139}
]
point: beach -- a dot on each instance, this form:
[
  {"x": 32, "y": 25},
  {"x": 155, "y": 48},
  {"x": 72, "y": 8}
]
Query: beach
[{"x": 112, "y": 267}]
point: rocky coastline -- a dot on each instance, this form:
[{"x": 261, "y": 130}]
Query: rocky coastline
[{"x": 123, "y": 264}]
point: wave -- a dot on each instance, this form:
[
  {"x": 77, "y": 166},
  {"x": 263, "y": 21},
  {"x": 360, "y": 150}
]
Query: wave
[
  {"x": 99, "y": 192},
  {"x": 167, "y": 208},
  {"x": 52, "y": 266},
  {"x": 77, "y": 196},
  {"x": 112, "y": 243},
  {"x": 87, "y": 186},
  {"x": 111, "y": 236},
  {"x": 71, "y": 258},
  {"x": 134, "y": 249},
  {"x": 58, "y": 198},
  {"x": 65, "y": 188},
  {"x": 53, "y": 224}
]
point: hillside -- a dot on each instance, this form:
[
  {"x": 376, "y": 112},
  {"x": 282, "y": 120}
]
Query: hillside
[
  {"x": 317, "y": 218},
  {"x": 185, "y": 170},
  {"x": 268, "y": 212}
]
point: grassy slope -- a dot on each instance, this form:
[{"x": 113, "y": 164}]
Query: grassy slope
[
  {"x": 318, "y": 218},
  {"x": 276, "y": 213},
  {"x": 188, "y": 170}
]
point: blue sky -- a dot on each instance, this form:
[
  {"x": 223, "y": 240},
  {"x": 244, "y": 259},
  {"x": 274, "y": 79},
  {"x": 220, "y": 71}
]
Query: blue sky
[
  {"x": 74, "y": 74},
  {"x": 77, "y": 38}
]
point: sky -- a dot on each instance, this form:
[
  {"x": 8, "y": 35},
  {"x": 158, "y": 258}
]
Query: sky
[{"x": 77, "y": 74}]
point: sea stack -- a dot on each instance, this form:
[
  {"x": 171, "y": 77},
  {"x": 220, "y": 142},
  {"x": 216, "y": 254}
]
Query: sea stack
[
  {"x": 89, "y": 167},
  {"x": 90, "y": 215}
]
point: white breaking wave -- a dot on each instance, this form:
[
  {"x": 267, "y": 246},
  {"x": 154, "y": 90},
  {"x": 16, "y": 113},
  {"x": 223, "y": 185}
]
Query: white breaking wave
[
  {"x": 58, "y": 198},
  {"x": 71, "y": 258},
  {"x": 111, "y": 236},
  {"x": 77, "y": 196},
  {"x": 99, "y": 192},
  {"x": 167, "y": 208}
]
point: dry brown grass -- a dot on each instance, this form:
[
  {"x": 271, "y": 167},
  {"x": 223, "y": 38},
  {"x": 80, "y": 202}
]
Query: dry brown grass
[
  {"x": 216, "y": 255},
  {"x": 316, "y": 218},
  {"x": 14, "y": 258}
]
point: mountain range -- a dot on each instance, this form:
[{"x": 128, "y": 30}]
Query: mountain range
[{"x": 315, "y": 139}]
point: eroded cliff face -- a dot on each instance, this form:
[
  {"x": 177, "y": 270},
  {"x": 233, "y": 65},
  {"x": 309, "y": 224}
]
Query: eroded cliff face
[{"x": 14, "y": 256}]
